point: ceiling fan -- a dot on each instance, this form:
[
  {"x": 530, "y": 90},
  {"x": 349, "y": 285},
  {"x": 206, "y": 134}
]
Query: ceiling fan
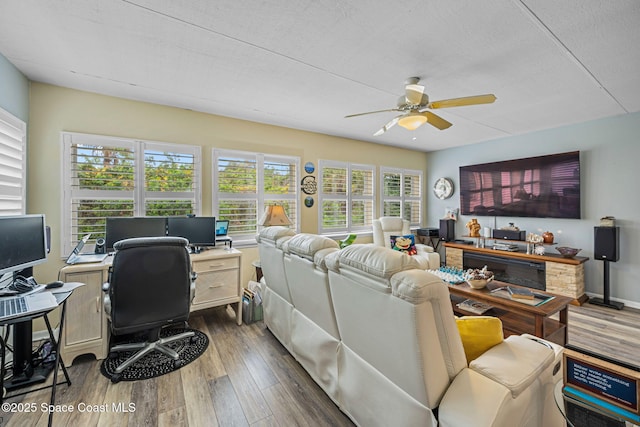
[{"x": 414, "y": 105}]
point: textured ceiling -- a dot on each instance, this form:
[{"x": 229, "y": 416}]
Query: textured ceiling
[{"x": 307, "y": 64}]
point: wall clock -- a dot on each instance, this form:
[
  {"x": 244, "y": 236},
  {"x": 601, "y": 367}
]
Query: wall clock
[{"x": 443, "y": 188}]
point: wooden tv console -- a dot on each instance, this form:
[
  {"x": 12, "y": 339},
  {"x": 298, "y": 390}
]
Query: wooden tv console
[
  {"x": 86, "y": 330},
  {"x": 563, "y": 276}
]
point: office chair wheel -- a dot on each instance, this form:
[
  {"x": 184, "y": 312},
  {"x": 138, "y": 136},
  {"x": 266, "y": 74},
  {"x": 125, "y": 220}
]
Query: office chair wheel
[{"x": 115, "y": 378}]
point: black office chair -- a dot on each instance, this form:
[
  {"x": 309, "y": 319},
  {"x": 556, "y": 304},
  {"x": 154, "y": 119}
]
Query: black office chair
[{"x": 150, "y": 287}]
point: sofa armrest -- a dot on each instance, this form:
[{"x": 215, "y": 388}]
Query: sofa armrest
[
  {"x": 421, "y": 248},
  {"x": 475, "y": 400},
  {"x": 427, "y": 257},
  {"x": 510, "y": 376},
  {"x": 515, "y": 363}
]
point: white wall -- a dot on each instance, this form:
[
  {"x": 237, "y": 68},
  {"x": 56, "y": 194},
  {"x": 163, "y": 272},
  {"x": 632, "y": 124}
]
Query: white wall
[{"x": 610, "y": 175}]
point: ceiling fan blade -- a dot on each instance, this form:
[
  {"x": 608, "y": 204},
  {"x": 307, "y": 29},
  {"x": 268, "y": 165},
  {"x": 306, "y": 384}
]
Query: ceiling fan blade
[
  {"x": 413, "y": 93},
  {"x": 388, "y": 126},
  {"x": 459, "y": 102},
  {"x": 371, "y": 112},
  {"x": 436, "y": 121}
]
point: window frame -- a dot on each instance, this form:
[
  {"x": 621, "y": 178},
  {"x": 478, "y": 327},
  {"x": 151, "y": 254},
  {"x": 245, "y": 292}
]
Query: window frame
[
  {"x": 262, "y": 199},
  {"x": 403, "y": 198},
  {"x": 349, "y": 198},
  {"x": 139, "y": 195},
  {"x": 15, "y": 131}
]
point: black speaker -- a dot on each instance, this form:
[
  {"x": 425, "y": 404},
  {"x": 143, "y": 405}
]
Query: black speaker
[
  {"x": 606, "y": 243},
  {"x": 101, "y": 247},
  {"x": 447, "y": 230}
]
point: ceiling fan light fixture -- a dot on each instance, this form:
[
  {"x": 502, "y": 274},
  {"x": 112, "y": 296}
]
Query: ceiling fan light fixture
[{"x": 412, "y": 121}]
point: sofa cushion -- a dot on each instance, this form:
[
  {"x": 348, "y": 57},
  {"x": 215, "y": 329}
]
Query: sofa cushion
[
  {"x": 274, "y": 233},
  {"x": 319, "y": 259},
  {"x": 415, "y": 285},
  {"x": 306, "y": 245},
  {"x": 515, "y": 363},
  {"x": 374, "y": 260},
  {"x": 479, "y": 334}
]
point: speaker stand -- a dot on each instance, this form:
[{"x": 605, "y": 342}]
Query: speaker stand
[{"x": 604, "y": 301}]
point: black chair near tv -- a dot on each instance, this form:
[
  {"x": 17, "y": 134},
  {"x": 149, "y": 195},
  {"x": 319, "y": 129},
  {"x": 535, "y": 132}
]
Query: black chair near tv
[{"x": 150, "y": 287}]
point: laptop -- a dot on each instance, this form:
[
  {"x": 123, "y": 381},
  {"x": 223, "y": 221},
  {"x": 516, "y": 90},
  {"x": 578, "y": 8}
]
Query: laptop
[
  {"x": 75, "y": 257},
  {"x": 22, "y": 305},
  {"x": 222, "y": 228}
]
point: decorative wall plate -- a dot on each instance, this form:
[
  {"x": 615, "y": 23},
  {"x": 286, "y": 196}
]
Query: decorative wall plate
[
  {"x": 443, "y": 188},
  {"x": 309, "y": 185},
  {"x": 309, "y": 167},
  {"x": 308, "y": 201}
]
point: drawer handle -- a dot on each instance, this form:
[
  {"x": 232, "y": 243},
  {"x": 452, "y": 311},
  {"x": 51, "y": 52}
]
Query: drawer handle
[
  {"x": 216, "y": 285},
  {"x": 97, "y": 304},
  {"x": 215, "y": 265}
]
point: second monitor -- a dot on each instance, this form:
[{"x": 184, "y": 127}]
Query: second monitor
[
  {"x": 119, "y": 228},
  {"x": 199, "y": 231}
]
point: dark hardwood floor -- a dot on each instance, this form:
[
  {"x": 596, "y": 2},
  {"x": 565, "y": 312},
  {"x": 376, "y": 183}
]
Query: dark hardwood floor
[{"x": 246, "y": 378}]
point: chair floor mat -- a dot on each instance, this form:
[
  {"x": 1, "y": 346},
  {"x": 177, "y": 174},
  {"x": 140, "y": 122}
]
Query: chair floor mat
[{"x": 156, "y": 363}]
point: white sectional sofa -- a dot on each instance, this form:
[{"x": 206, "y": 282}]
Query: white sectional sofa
[
  {"x": 277, "y": 304},
  {"x": 314, "y": 332},
  {"x": 378, "y": 334}
]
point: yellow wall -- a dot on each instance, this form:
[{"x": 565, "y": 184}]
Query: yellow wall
[{"x": 55, "y": 109}]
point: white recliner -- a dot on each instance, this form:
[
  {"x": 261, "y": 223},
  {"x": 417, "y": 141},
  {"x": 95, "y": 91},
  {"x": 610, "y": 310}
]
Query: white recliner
[
  {"x": 387, "y": 226},
  {"x": 314, "y": 332},
  {"x": 277, "y": 304},
  {"x": 402, "y": 362}
]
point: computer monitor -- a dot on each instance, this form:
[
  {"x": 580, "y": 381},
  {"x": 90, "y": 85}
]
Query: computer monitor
[
  {"x": 199, "y": 231},
  {"x": 120, "y": 228},
  {"x": 23, "y": 242}
]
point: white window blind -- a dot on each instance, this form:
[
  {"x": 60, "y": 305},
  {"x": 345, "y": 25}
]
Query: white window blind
[
  {"x": 244, "y": 183},
  {"x": 118, "y": 177},
  {"x": 13, "y": 136},
  {"x": 346, "y": 197},
  {"x": 402, "y": 194}
]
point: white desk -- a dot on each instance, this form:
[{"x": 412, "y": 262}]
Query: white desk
[{"x": 218, "y": 283}]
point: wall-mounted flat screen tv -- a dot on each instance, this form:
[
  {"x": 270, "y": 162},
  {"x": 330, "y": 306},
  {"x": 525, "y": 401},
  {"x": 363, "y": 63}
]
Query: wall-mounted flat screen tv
[{"x": 541, "y": 187}]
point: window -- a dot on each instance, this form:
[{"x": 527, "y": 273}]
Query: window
[
  {"x": 402, "y": 194},
  {"x": 244, "y": 183},
  {"x": 13, "y": 135},
  {"x": 108, "y": 177},
  {"x": 346, "y": 197}
]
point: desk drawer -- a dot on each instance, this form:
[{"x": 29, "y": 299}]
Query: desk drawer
[
  {"x": 217, "y": 285},
  {"x": 216, "y": 264}
]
